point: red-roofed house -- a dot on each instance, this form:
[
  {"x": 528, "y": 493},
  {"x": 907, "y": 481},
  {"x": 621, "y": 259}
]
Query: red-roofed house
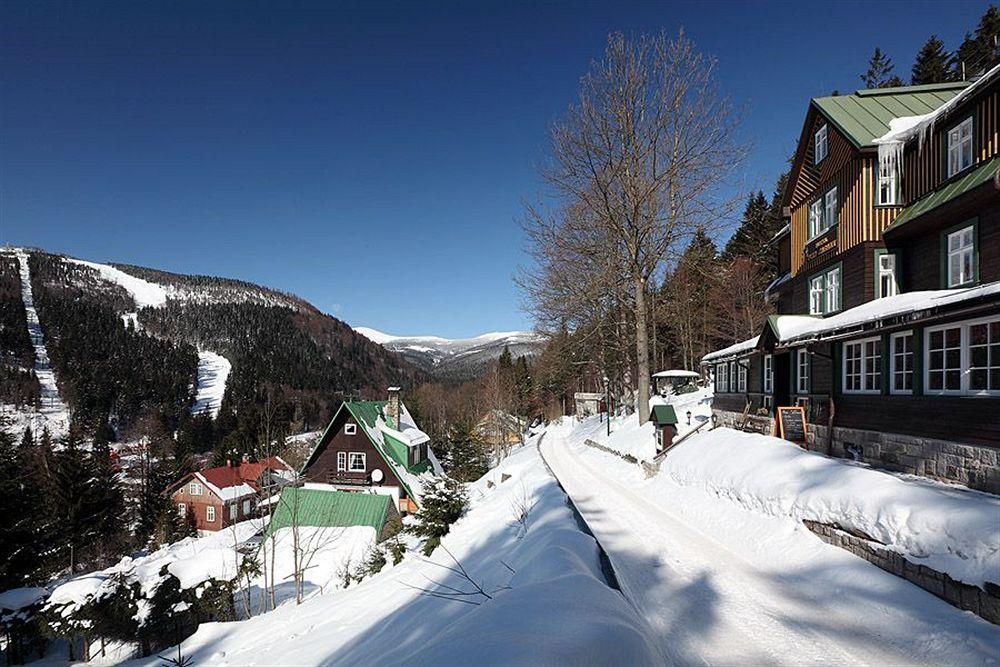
[{"x": 219, "y": 497}]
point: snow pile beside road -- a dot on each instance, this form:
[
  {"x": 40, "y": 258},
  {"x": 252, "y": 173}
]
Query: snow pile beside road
[
  {"x": 949, "y": 529},
  {"x": 546, "y": 600}
]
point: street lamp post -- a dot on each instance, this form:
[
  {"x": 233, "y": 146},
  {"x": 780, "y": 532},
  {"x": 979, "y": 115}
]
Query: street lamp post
[{"x": 607, "y": 404}]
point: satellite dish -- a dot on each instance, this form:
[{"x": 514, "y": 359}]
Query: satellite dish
[{"x": 376, "y": 475}]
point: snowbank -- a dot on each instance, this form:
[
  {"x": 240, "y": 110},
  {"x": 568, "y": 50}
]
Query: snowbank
[
  {"x": 547, "y": 599},
  {"x": 948, "y": 529},
  {"x": 213, "y": 372}
]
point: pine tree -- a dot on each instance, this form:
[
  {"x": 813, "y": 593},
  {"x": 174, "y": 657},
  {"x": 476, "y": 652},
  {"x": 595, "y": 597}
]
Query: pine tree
[
  {"x": 980, "y": 50},
  {"x": 443, "y": 500},
  {"x": 106, "y": 499},
  {"x": 879, "y": 73},
  {"x": 27, "y": 440},
  {"x": 931, "y": 64},
  {"x": 752, "y": 238}
]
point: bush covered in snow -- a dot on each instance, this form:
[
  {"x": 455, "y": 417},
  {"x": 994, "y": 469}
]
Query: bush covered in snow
[{"x": 443, "y": 500}]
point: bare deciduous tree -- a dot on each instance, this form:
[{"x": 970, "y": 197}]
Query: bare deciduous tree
[{"x": 637, "y": 164}]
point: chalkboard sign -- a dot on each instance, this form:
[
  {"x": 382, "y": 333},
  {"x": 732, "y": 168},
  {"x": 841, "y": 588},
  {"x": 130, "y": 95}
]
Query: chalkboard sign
[{"x": 792, "y": 424}]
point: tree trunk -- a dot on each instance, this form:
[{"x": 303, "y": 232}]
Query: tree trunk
[{"x": 642, "y": 349}]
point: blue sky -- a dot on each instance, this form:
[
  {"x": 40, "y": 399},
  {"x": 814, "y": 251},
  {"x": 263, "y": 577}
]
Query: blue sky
[{"x": 372, "y": 158}]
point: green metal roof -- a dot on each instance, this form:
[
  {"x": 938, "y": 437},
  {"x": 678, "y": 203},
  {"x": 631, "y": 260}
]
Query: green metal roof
[
  {"x": 864, "y": 115},
  {"x": 664, "y": 414},
  {"x": 959, "y": 186},
  {"x": 329, "y": 509}
]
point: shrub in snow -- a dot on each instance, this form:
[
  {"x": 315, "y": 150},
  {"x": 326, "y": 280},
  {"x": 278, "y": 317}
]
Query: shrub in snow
[
  {"x": 443, "y": 500},
  {"x": 396, "y": 548},
  {"x": 372, "y": 564}
]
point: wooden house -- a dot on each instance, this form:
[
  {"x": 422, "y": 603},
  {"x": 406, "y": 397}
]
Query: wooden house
[
  {"x": 219, "y": 497},
  {"x": 888, "y": 309},
  {"x": 373, "y": 446}
]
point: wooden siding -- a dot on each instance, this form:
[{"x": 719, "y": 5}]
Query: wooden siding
[{"x": 811, "y": 176}]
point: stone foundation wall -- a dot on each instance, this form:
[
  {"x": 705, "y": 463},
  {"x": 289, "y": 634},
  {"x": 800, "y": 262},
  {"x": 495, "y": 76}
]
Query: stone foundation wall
[
  {"x": 984, "y": 602},
  {"x": 973, "y": 466}
]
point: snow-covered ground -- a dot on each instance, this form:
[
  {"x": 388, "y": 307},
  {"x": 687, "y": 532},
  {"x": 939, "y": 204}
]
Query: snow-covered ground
[
  {"x": 213, "y": 368},
  {"x": 53, "y": 413},
  {"x": 547, "y": 603},
  {"x": 213, "y": 371},
  {"x": 713, "y": 554}
]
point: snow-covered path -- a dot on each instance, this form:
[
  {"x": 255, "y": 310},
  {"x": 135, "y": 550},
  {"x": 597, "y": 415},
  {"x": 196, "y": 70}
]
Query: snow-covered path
[
  {"x": 53, "y": 412},
  {"x": 721, "y": 585},
  {"x": 213, "y": 371}
]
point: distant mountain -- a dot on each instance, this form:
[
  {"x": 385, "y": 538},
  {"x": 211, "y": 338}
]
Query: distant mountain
[
  {"x": 128, "y": 343},
  {"x": 456, "y": 358}
]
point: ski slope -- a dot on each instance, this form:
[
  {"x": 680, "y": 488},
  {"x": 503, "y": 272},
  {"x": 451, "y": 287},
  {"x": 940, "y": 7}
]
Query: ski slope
[
  {"x": 213, "y": 368},
  {"x": 52, "y": 413},
  {"x": 723, "y": 585}
]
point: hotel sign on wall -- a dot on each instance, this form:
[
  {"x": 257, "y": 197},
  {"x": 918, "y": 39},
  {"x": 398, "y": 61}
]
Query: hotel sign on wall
[{"x": 821, "y": 245}]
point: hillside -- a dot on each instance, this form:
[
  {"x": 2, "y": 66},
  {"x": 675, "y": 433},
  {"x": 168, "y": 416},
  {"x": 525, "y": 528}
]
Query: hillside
[
  {"x": 131, "y": 345},
  {"x": 457, "y": 359}
]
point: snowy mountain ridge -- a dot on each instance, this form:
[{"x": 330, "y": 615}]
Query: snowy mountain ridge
[{"x": 456, "y": 358}]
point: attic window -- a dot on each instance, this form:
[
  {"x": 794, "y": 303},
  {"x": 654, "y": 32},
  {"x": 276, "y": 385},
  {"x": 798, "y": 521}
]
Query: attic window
[
  {"x": 960, "y": 147},
  {"x": 350, "y": 429},
  {"x": 356, "y": 462},
  {"x": 820, "y": 150}
]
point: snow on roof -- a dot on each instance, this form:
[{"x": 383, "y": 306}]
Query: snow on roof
[
  {"x": 677, "y": 374},
  {"x": 781, "y": 232},
  {"x": 732, "y": 350},
  {"x": 232, "y": 482},
  {"x": 19, "y": 598}
]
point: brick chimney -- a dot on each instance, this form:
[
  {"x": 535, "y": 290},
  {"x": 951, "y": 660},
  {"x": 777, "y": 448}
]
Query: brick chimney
[{"x": 392, "y": 406}]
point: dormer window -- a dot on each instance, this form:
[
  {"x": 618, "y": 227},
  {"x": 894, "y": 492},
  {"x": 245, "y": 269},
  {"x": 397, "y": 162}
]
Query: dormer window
[
  {"x": 960, "y": 147},
  {"x": 820, "y": 150},
  {"x": 888, "y": 184}
]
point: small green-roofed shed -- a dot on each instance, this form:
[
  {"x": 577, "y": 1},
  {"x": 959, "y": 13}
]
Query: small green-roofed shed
[
  {"x": 321, "y": 508},
  {"x": 664, "y": 415}
]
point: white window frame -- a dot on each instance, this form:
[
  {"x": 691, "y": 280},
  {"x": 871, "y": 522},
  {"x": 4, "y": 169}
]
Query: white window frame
[
  {"x": 246, "y": 508},
  {"x": 341, "y": 461},
  {"x": 820, "y": 141},
  {"x": 887, "y": 184},
  {"x": 894, "y": 370},
  {"x": 741, "y": 377},
  {"x": 965, "y": 363},
  {"x": 960, "y": 148},
  {"x": 889, "y": 272},
  {"x": 210, "y": 513},
  {"x": 768, "y": 374},
  {"x": 234, "y": 511},
  {"x": 722, "y": 378},
  {"x": 195, "y": 489},
  {"x": 830, "y": 208},
  {"x": 181, "y": 510},
  {"x": 350, "y": 462},
  {"x": 802, "y": 378},
  {"x": 816, "y": 218},
  {"x": 816, "y": 295},
  {"x": 831, "y": 290},
  {"x": 350, "y": 429},
  {"x": 865, "y": 372},
  {"x": 960, "y": 253}
]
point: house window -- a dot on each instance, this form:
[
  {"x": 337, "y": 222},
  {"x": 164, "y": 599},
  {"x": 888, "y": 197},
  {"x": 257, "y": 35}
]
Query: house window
[
  {"x": 964, "y": 358},
  {"x": 768, "y": 374},
  {"x": 961, "y": 256},
  {"x": 741, "y": 377},
  {"x": 944, "y": 360},
  {"x": 888, "y": 184},
  {"x": 341, "y": 461},
  {"x": 246, "y": 508},
  {"x": 820, "y": 151},
  {"x": 356, "y": 462},
  {"x": 350, "y": 429},
  {"x": 210, "y": 514},
  {"x": 833, "y": 290},
  {"x": 722, "y": 378},
  {"x": 234, "y": 511},
  {"x": 830, "y": 210},
  {"x": 823, "y": 213},
  {"x": 863, "y": 366},
  {"x": 802, "y": 374},
  {"x": 195, "y": 488},
  {"x": 816, "y": 296},
  {"x": 825, "y": 292},
  {"x": 181, "y": 509},
  {"x": 960, "y": 147},
  {"x": 887, "y": 284},
  {"x": 901, "y": 363}
]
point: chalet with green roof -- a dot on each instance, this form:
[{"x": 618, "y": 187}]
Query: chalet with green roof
[
  {"x": 373, "y": 446},
  {"x": 887, "y": 328}
]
